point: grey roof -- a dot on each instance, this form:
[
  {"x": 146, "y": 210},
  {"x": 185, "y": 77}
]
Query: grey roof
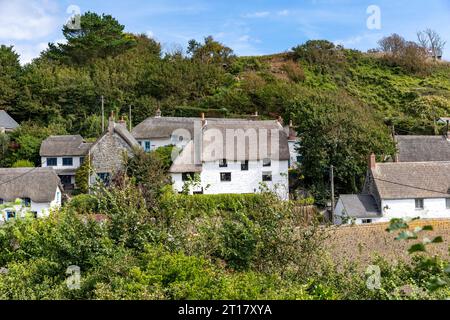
[
  {"x": 410, "y": 180},
  {"x": 6, "y": 121},
  {"x": 360, "y": 206},
  {"x": 423, "y": 148},
  {"x": 60, "y": 146},
  {"x": 38, "y": 184}
]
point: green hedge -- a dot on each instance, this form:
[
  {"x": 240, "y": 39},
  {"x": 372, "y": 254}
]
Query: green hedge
[{"x": 199, "y": 205}]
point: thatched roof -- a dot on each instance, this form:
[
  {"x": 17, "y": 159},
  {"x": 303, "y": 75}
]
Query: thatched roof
[
  {"x": 38, "y": 184},
  {"x": 234, "y": 140},
  {"x": 409, "y": 180},
  {"x": 123, "y": 132},
  {"x": 423, "y": 148},
  {"x": 60, "y": 146},
  {"x": 6, "y": 121},
  {"x": 162, "y": 127}
]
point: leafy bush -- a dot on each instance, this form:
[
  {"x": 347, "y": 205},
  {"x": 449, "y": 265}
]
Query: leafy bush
[{"x": 23, "y": 164}]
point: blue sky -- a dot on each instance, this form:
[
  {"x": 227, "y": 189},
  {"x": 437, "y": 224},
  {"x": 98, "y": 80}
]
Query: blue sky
[{"x": 252, "y": 27}]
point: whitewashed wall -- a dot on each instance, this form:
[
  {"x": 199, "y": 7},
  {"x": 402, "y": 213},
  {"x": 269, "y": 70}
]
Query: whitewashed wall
[
  {"x": 406, "y": 208},
  {"x": 402, "y": 209},
  {"x": 241, "y": 181},
  {"x": 42, "y": 209},
  {"x": 76, "y": 163},
  {"x": 163, "y": 142}
]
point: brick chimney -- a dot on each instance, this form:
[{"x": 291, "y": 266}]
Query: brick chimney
[
  {"x": 111, "y": 122},
  {"x": 122, "y": 122},
  {"x": 204, "y": 122},
  {"x": 372, "y": 162},
  {"x": 280, "y": 120}
]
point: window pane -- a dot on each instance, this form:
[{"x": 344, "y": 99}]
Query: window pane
[
  {"x": 225, "y": 176},
  {"x": 419, "y": 203},
  {"x": 244, "y": 165},
  {"x": 52, "y": 162},
  {"x": 447, "y": 203},
  {"x": 267, "y": 176},
  {"x": 67, "y": 161},
  {"x": 223, "y": 163},
  {"x": 147, "y": 146},
  {"x": 187, "y": 176},
  {"x": 267, "y": 163}
]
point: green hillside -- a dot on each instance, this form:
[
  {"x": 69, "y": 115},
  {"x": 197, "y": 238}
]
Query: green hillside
[{"x": 344, "y": 102}]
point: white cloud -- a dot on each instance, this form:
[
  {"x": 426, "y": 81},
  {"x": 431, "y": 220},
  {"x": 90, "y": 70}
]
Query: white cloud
[
  {"x": 150, "y": 34},
  {"x": 26, "y": 20},
  {"x": 283, "y": 12},
  {"x": 362, "y": 42},
  {"x": 259, "y": 14},
  {"x": 28, "y": 52}
]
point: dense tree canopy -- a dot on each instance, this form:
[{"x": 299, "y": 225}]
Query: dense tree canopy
[{"x": 65, "y": 84}]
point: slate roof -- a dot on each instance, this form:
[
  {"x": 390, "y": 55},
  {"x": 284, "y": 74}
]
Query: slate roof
[
  {"x": 6, "y": 121},
  {"x": 423, "y": 148},
  {"x": 409, "y": 180},
  {"x": 59, "y": 146},
  {"x": 38, "y": 184},
  {"x": 360, "y": 206}
]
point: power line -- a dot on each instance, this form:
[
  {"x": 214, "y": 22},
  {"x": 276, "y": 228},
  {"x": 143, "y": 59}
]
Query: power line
[
  {"x": 22, "y": 175},
  {"x": 409, "y": 186}
]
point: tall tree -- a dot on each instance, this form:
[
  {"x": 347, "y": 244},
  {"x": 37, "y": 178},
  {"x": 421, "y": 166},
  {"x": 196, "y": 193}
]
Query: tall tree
[
  {"x": 211, "y": 51},
  {"x": 10, "y": 70},
  {"x": 432, "y": 42},
  {"x": 98, "y": 37}
]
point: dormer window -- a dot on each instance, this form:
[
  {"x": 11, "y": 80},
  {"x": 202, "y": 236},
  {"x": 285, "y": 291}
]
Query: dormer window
[
  {"x": 26, "y": 202},
  {"x": 267, "y": 162},
  {"x": 223, "y": 163}
]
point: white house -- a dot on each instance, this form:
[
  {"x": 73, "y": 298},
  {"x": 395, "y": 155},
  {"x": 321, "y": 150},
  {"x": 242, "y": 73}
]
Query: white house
[
  {"x": 39, "y": 189},
  {"x": 399, "y": 190},
  {"x": 227, "y": 155}
]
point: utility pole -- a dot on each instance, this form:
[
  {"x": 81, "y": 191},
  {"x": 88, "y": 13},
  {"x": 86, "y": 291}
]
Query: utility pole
[
  {"x": 131, "y": 123},
  {"x": 89, "y": 172},
  {"x": 103, "y": 114},
  {"x": 332, "y": 192}
]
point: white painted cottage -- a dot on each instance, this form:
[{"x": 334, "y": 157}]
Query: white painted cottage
[
  {"x": 228, "y": 155},
  {"x": 399, "y": 190},
  {"x": 39, "y": 189}
]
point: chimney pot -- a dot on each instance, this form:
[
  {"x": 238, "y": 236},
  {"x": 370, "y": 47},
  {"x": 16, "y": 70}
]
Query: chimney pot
[
  {"x": 372, "y": 161},
  {"x": 158, "y": 113}
]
